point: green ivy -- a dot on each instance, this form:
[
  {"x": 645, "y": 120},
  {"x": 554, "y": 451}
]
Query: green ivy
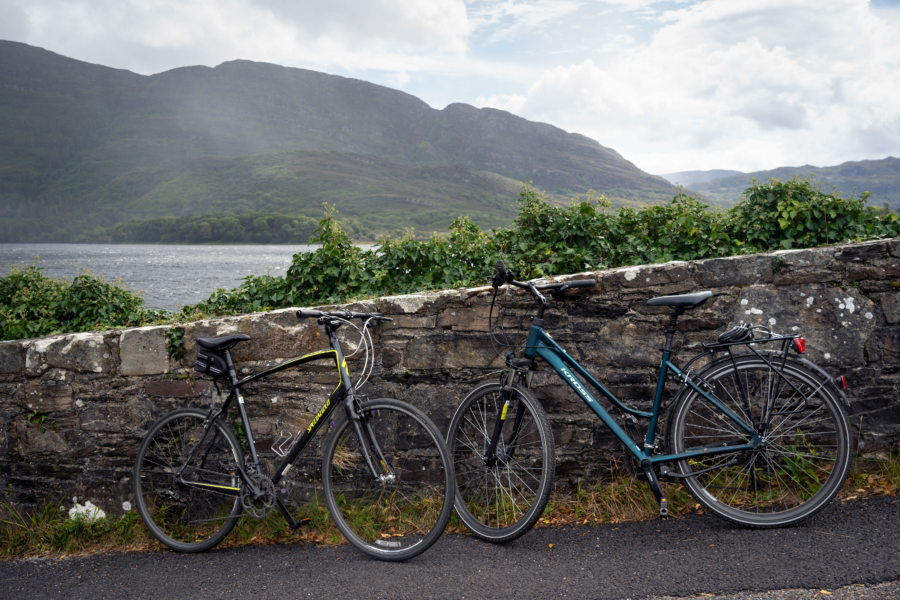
[
  {"x": 543, "y": 239},
  {"x": 33, "y": 305},
  {"x": 175, "y": 343}
]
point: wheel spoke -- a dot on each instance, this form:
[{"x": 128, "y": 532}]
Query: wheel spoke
[{"x": 803, "y": 454}]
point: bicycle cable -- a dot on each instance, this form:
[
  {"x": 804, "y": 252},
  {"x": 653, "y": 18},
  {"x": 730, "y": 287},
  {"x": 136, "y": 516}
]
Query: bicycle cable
[{"x": 283, "y": 443}]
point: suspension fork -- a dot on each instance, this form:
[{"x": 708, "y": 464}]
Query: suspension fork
[{"x": 513, "y": 375}]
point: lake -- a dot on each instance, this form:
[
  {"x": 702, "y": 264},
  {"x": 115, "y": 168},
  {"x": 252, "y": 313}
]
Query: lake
[{"x": 167, "y": 276}]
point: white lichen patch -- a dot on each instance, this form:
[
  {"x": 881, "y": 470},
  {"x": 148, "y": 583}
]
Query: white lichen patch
[
  {"x": 409, "y": 303},
  {"x": 846, "y": 304},
  {"x": 631, "y": 273}
]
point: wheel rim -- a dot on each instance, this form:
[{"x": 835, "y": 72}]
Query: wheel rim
[
  {"x": 803, "y": 452},
  {"x": 497, "y": 494},
  {"x": 192, "y": 509},
  {"x": 401, "y": 512}
]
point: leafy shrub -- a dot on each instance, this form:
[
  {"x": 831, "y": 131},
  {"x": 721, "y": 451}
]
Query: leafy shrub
[
  {"x": 33, "y": 305},
  {"x": 551, "y": 240},
  {"x": 543, "y": 240},
  {"x": 799, "y": 214}
]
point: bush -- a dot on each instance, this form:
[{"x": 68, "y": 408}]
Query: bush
[
  {"x": 543, "y": 240},
  {"x": 33, "y": 305},
  {"x": 799, "y": 214},
  {"x": 552, "y": 240}
]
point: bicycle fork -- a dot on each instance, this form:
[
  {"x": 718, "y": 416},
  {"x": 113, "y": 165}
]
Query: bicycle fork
[
  {"x": 368, "y": 444},
  {"x": 490, "y": 458}
]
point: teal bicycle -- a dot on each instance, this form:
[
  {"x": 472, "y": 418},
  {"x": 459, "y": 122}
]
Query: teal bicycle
[{"x": 759, "y": 436}]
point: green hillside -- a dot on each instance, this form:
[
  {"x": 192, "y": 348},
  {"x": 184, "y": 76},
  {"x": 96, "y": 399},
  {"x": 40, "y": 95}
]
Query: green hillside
[
  {"x": 85, "y": 149},
  {"x": 881, "y": 178}
]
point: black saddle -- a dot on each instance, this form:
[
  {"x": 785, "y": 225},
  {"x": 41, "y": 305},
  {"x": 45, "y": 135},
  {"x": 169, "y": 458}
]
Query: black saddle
[
  {"x": 219, "y": 344},
  {"x": 681, "y": 300}
]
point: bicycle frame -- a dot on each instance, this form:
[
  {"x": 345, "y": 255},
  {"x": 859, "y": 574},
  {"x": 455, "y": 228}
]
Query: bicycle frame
[
  {"x": 539, "y": 343},
  {"x": 344, "y": 392}
]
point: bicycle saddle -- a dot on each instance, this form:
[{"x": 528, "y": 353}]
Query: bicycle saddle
[
  {"x": 681, "y": 300},
  {"x": 222, "y": 343}
]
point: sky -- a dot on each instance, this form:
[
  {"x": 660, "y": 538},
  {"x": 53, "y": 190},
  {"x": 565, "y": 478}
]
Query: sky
[{"x": 671, "y": 85}]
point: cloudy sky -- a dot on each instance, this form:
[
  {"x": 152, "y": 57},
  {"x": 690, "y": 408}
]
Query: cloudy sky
[{"x": 671, "y": 85}]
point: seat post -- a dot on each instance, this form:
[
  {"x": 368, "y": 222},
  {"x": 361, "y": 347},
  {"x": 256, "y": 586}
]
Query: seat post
[
  {"x": 670, "y": 328},
  {"x": 232, "y": 372}
]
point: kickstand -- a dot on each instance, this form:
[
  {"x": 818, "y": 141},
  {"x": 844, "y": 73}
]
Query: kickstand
[{"x": 653, "y": 480}]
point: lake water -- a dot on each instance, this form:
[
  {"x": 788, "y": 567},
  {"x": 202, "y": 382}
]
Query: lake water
[{"x": 167, "y": 276}]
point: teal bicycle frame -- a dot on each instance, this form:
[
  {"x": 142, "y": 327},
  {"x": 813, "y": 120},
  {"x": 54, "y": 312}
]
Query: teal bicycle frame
[{"x": 539, "y": 343}]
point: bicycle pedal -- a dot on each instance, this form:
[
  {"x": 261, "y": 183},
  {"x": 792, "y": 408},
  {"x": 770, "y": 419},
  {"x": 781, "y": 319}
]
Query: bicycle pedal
[{"x": 663, "y": 508}]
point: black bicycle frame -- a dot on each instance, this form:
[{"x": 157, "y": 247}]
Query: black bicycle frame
[{"x": 344, "y": 392}]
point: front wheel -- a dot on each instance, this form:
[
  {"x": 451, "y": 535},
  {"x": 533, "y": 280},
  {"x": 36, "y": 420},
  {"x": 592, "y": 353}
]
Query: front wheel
[
  {"x": 186, "y": 483},
  {"x": 501, "y": 491},
  {"x": 804, "y": 449},
  {"x": 399, "y": 512}
]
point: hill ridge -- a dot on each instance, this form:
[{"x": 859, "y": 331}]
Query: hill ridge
[{"x": 85, "y": 148}]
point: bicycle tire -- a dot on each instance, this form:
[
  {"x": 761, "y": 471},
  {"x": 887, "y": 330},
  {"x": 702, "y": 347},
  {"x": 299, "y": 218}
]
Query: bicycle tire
[
  {"x": 391, "y": 519},
  {"x": 501, "y": 502},
  {"x": 184, "y": 517},
  {"x": 806, "y": 453}
]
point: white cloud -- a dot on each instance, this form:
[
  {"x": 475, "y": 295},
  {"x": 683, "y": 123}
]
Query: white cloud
[
  {"x": 510, "y": 19},
  {"x": 149, "y": 36},
  {"x": 745, "y": 82},
  {"x": 670, "y": 84}
]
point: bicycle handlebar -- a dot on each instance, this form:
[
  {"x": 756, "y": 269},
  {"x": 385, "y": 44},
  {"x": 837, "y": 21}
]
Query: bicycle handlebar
[
  {"x": 504, "y": 275},
  {"x": 308, "y": 313}
]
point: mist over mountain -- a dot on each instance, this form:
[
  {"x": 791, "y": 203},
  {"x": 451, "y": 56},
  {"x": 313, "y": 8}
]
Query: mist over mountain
[
  {"x": 881, "y": 178},
  {"x": 85, "y": 149}
]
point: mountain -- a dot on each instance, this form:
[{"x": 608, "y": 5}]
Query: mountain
[
  {"x": 881, "y": 178},
  {"x": 689, "y": 178},
  {"x": 85, "y": 148}
]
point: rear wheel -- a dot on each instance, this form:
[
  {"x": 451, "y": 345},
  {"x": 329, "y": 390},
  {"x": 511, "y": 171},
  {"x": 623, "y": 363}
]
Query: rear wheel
[
  {"x": 403, "y": 511},
  {"x": 186, "y": 483},
  {"x": 804, "y": 454},
  {"x": 501, "y": 497}
]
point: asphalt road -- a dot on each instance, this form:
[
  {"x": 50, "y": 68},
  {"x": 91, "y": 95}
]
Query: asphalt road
[{"x": 849, "y": 551}]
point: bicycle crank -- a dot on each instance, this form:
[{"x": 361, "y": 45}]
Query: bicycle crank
[{"x": 258, "y": 505}]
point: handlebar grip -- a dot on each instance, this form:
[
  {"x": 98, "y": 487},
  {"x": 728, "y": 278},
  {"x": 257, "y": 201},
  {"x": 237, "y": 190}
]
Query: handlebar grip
[
  {"x": 580, "y": 283},
  {"x": 305, "y": 313}
]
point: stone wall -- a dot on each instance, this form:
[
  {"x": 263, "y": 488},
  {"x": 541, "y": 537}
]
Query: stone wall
[{"x": 74, "y": 407}]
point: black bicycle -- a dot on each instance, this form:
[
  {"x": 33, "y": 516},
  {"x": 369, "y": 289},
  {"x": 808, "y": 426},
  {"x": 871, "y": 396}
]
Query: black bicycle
[
  {"x": 386, "y": 472},
  {"x": 758, "y": 436}
]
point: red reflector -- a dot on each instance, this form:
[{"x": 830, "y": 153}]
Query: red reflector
[
  {"x": 841, "y": 382},
  {"x": 800, "y": 344}
]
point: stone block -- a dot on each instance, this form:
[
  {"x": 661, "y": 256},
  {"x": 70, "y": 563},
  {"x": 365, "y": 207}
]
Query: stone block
[
  {"x": 864, "y": 252},
  {"x": 143, "y": 351},
  {"x": 81, "y": 352},
  {"x": 182, "y": 388},
  {"x": 795, "y": 267},
  {"x": 890, "y": 305},
  {"x": 735, "y": 271},
  {"x": 12, "y": 357}
]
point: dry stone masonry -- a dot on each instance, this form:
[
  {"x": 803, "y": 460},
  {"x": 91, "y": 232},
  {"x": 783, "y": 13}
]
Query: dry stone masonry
[{"x": 74, "y": 407}]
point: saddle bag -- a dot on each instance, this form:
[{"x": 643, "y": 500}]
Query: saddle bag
[{"x": 210, "y": 363}]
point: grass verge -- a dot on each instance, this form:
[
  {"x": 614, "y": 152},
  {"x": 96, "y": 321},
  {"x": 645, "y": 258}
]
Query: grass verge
[{"x": 50, "y": 532}]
